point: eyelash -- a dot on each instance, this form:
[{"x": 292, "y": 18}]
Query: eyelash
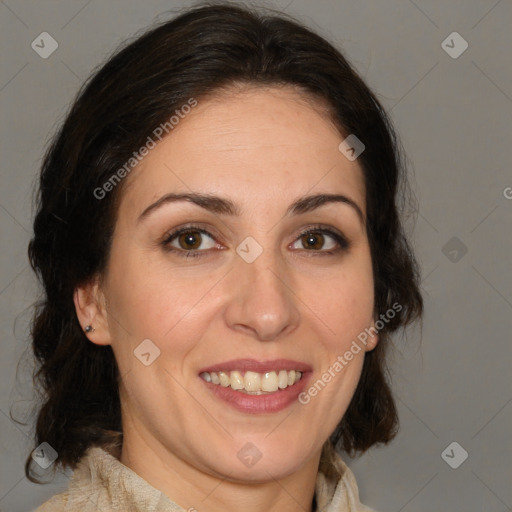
[{"x": 343, "y": 242}]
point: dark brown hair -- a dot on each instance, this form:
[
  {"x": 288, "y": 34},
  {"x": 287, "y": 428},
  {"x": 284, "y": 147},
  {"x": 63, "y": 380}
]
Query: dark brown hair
[{"x": 203, "y": 50}]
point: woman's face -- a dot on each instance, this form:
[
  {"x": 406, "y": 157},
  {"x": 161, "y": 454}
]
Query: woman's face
[{"x": 253, "y": 300}]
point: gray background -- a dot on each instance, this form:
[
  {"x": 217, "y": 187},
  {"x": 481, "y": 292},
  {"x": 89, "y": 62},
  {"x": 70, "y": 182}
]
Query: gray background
[{"x": 454, "y": 116}]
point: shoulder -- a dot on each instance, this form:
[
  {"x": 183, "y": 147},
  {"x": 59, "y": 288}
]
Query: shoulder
[
  {"x": 57, "y": 503},
  {"x": 352, "y": 490},
  {"x": 101, "y": 482},
  {"x": 336, "y": 486},
  {"x": 83, "y": 487}
]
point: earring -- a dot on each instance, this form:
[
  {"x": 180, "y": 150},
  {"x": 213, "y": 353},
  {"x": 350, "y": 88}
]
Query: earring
[{"x": 89, "y": 328}]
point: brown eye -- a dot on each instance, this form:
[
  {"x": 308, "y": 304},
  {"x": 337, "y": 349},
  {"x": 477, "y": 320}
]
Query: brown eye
[
  {"x": 189, "y": 239},
  {"x": 322, "y": 241},
  {"x": 312, "y": 240}
]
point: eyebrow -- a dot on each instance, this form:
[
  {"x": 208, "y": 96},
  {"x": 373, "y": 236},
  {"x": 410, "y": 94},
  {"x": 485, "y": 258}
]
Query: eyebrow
[{"x": 219, "y": 205}]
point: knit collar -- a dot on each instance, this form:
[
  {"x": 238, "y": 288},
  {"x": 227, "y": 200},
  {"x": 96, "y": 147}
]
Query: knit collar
[{"x": 102, "y": 482}]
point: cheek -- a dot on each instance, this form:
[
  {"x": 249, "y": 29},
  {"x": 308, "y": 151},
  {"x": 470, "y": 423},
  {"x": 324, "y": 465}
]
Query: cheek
[
  {"x": 150, "y": 300},
  {"x": 172, "y": 307},
  {"x": 342, "y": 301}
]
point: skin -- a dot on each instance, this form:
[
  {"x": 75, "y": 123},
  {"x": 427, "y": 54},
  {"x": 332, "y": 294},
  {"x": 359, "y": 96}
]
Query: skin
[{"x": 262, "y": 148}]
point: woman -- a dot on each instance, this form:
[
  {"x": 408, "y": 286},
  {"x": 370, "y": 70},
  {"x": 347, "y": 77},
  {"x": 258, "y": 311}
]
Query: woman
[{"x": 219, "y": 241}]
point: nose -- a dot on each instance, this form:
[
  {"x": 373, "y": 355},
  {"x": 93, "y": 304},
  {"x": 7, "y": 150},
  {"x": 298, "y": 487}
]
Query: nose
[{"x": 262, "y": 302}]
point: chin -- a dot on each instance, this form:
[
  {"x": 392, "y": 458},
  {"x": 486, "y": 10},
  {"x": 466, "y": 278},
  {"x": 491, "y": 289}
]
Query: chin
[{"x": 260, "y": 461}]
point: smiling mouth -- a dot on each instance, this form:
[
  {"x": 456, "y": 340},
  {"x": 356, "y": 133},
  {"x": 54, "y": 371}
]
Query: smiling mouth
[{"x": 253, "y": 383}]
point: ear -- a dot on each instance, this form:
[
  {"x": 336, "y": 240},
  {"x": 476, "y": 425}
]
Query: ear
[
  {"x": 90, "y": 306},
  {"x": 373, "y": 337}
]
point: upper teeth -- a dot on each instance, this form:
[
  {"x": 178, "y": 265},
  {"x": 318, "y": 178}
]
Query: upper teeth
[{"x": 252, "y": 382}]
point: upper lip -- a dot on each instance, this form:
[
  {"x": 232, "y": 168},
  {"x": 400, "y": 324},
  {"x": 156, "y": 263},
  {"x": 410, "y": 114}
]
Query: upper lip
[{"x": 253, "y": 365}]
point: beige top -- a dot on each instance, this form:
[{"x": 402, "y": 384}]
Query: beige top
[{"x": 102, "y": 483}]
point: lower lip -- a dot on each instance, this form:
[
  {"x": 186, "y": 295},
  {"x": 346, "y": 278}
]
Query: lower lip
[{"x": 259, "y": 404}]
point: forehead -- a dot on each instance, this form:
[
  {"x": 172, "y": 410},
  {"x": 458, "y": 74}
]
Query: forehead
[{"x": 256, "y": 145}]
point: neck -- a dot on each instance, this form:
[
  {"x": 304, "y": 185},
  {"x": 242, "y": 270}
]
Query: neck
[{"x": 194, "y": 489}]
